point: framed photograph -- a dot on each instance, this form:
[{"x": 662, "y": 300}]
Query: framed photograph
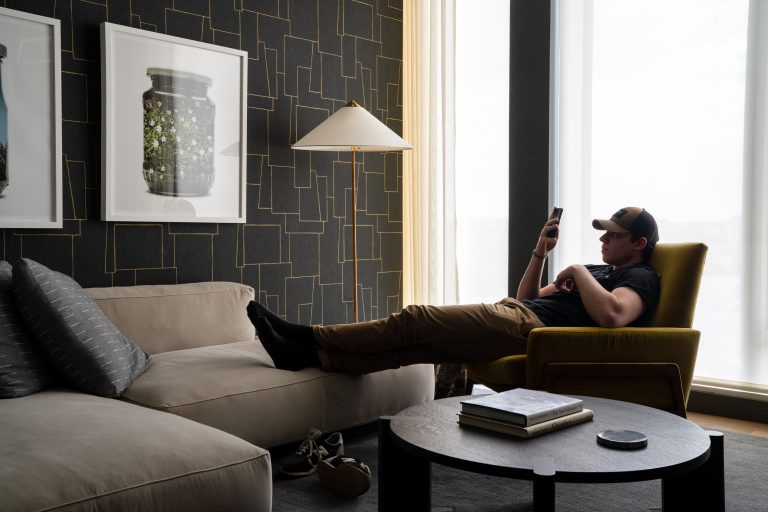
[
  {"x": 30, "y": 121},
  {"x": 174, "y": 128}
]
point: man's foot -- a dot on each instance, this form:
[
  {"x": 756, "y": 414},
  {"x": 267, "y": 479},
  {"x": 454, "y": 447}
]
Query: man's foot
[
  {"x": 286, "y": 354},
  {"x": 288, "y": 330}
]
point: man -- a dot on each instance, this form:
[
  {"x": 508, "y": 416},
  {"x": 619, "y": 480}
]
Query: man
[{"x": 623, "y": 291}]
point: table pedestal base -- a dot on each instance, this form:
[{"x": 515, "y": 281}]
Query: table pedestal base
[
  {"x": 701, "y": 489},
  {"x": 405, "y": 481}
]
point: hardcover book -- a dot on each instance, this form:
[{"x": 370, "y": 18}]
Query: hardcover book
[
  {"x": 523, "y": 407},
  {"x": 526, "y": 432}
]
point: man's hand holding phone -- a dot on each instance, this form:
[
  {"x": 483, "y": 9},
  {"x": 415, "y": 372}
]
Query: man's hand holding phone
[
  {"x": 557, "y": 213},
  {"x": 549, "y": 234}
]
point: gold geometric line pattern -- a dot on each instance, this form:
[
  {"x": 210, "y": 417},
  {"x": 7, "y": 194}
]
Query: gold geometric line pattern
[{"x": 307, "y": 58}]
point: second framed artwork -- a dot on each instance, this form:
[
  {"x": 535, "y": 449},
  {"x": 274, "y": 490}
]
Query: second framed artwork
[{"x": 174, "y": 128}]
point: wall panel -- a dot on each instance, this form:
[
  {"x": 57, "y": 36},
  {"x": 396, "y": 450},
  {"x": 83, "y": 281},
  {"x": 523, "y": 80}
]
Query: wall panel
[{"x": 307, "y": 58}]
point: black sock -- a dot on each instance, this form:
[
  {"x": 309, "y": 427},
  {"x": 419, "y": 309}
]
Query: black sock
[
  {"x": 286, "y": 354},
  {"x": 290, "y": 331}
]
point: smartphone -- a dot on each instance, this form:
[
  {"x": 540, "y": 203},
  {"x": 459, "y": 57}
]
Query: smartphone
[{"x": 556, "y": 214}]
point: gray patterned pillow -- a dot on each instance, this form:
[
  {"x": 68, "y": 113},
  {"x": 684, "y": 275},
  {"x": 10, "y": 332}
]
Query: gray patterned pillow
[
  {"x": 22, "y": 370},
  {"x": 74, "y": 334}
]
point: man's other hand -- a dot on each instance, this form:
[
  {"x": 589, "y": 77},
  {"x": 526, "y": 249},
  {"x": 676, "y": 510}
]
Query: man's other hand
[{"x": 565, "y": 280}]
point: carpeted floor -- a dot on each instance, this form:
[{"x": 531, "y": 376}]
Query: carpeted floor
[{"x": 746, "y": 472}]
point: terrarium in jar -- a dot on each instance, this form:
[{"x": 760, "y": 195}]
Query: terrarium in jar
[
  {"x": 3, "y": 127},
  {"x": 178, "y": 133}
]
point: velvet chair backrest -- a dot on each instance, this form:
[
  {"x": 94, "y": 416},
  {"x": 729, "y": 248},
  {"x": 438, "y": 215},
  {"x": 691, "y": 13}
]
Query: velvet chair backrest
[{"x": 680, "y": 266}]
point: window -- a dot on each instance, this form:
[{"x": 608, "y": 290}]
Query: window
[
  {"x": 482, "y": 148},
  {"x": 649, "y": 99}
]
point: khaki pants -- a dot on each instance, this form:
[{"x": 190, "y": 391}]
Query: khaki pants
[{"x": 427, "y": 334}]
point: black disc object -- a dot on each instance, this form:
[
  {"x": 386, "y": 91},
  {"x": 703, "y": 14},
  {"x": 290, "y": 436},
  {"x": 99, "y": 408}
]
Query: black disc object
[{"x": 622, "y": 439}]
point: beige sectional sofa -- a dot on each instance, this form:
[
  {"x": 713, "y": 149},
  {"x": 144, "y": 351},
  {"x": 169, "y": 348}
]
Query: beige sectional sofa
[{"x": 190, "y": 433}]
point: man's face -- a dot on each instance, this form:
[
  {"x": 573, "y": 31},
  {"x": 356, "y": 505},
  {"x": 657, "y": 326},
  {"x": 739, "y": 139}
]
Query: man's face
[{"x": 618, "y": 248}]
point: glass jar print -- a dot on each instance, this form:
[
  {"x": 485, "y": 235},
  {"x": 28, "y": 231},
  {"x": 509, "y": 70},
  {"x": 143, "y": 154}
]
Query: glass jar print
[
  {"x": 3, "y": 127},
  {"x": 178, "y": 133}
]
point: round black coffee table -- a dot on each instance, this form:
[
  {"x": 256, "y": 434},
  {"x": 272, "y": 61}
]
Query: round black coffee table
[{"x": 688, "y": 459}]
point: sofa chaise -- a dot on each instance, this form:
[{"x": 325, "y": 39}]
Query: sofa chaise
[{"x": 191, "y": 432}]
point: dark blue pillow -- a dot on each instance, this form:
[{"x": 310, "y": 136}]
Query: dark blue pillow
[
  {"x": 73, "y": 333},
  {"x": 22, "y": 370}
]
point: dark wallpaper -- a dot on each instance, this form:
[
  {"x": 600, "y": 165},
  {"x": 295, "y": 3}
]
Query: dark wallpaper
[{"x": 307, "y": 59}]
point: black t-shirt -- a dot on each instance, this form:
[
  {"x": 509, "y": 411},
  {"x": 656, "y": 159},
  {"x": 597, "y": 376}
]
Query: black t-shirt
[{"x": 563, "y": 309}]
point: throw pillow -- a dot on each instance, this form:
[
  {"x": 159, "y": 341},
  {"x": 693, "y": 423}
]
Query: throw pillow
[
  {"x": 74, "y": 334},
  {"x": 22, "y": 370}
]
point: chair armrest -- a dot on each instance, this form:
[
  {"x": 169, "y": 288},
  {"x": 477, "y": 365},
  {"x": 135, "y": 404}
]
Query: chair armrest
[{"x": 602, "y": 345}]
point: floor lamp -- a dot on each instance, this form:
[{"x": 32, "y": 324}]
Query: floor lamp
[{"x": 352, "y": 128}]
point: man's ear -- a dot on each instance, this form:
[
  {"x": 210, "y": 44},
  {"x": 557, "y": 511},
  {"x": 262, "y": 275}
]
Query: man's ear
[{"x": 640, "y": 243}]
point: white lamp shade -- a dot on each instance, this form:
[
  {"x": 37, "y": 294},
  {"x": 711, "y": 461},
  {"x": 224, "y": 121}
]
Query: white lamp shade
[{"x": 352, "y": 128}]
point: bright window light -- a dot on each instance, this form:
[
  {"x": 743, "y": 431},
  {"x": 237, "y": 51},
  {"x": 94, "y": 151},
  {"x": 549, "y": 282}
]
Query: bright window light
[
  {"x": 482, "y": 148},
  {"x": 660, "y": 117}
]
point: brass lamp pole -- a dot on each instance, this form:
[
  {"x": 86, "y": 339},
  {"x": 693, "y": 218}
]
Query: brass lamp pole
[{"x": 354, "y": 229}]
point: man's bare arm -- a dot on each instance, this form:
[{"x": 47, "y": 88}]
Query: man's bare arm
[
  {"x": 618, "y": 308},
  {"x": 530, "y": 284}
]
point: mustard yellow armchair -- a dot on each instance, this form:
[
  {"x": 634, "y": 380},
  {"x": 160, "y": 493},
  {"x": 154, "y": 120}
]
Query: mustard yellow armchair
[{"x": 649, "y": 365}]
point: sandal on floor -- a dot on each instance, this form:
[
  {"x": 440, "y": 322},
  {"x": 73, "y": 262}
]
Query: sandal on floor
[{"x": 347, "y": 476}]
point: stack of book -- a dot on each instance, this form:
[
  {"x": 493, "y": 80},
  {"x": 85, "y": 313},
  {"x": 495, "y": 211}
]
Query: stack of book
[{"x": 523, "y": 412}]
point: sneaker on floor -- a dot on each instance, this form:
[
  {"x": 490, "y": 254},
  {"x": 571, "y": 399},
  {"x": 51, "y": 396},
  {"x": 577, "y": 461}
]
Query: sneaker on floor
[
  {"x": 304, "y": 460},
  {"x": 333, "y": 445},
  {"x": 310, "y": 452},
  {"x": 347, "y": 476}
]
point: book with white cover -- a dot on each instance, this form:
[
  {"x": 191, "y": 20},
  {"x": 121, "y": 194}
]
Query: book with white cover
[
  {"x": 526, "y": 432},
  {"x": 520, "y": 406}
]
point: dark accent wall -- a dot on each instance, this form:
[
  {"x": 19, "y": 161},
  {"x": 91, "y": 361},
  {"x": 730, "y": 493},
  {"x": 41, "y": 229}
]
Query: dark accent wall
[{"x": 307, "y": 58}]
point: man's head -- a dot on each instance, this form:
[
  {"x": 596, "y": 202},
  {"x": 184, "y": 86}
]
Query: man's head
[{"x": 634, "y": 223}]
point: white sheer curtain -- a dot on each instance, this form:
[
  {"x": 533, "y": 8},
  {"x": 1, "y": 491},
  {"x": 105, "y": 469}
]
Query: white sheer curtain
[
  {"x": 482, "y": 155},
  {"x": 756, "y": 194},
  {"x": 571, "y": 133},
  {"x": 663, "y": 105},
  {"x": 429, "y": 218}
]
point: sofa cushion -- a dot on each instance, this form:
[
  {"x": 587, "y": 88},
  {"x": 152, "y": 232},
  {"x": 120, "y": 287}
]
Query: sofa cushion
[
  {"x": 22, "y": 370},
  {"x": 193, "y": 314},
  {"x": 235, "y": 388},
  {"x": 76, "y": 337},
  {"x": 70, "y": 451}
]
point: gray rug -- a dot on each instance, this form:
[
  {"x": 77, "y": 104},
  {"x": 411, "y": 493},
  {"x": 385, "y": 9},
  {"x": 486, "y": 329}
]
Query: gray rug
[{"x": 746, "y": 472}]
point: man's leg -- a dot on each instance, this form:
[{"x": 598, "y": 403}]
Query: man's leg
[{"x": 427, "y": 334}]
